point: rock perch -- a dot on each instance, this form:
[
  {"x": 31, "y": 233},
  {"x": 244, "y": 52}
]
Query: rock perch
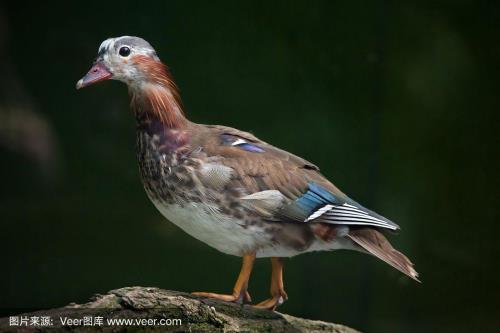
[{"x": 154, "y": 309}]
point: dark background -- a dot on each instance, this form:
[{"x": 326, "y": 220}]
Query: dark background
[{"x": 397, "y": 102}]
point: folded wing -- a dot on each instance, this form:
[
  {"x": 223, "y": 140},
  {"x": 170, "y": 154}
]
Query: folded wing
[{"x": 281, "y": 186}]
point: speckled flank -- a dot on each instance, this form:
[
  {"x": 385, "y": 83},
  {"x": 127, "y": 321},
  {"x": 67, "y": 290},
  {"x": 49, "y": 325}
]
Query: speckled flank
[{"x": 175, "y": 179}]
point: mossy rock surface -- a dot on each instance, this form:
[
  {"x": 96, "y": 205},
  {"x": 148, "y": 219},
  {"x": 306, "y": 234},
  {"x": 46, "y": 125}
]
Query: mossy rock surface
[{"x": 196, "y": 315}]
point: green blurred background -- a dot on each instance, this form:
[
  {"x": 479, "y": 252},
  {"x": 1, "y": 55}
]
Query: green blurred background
[{"x": 397, "y": 102}]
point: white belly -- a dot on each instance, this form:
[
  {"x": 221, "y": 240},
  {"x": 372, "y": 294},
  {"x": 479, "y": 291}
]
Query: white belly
[
  {"x": 219, "y": 231},
  {"x": 229, "y": 236}
]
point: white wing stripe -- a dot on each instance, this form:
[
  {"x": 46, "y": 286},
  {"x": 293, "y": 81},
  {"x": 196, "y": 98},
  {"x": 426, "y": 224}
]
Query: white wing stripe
[
  {"x": 360, "y": 221},
  {"x": 347, "y": 214},
  {"x": 238, "y": 142},
  {"x": 334, "y": 213},
  {"x": 319, "y": 212},
  {"x": 351, "y": 206},
  {"x": 349, "y": 209},
  {"x": 352, "y": 218}
]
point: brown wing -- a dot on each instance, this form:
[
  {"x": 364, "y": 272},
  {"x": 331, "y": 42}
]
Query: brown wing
[
  {"x": 270, "y": 169},
  {"x": 276, "y": 183}
]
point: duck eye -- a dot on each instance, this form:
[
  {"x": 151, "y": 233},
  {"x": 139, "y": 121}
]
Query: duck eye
[{"x": 124, "y": 51}]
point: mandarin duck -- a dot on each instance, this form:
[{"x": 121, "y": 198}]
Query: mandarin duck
[{"x": 229, "y": 189}]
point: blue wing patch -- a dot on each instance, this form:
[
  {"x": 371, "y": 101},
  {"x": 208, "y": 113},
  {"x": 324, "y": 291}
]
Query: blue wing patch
[
  {"x": 315, "y": 197},
  {"x": 235, "y": 141},
  {"x": 321, "y": 205},
  {"x": 250, "y": 147}
]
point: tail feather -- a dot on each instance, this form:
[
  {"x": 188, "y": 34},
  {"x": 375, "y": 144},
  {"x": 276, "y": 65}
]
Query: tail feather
[{"x": 376, "y": 244}]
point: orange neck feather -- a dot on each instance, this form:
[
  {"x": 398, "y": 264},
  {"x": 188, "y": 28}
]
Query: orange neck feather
[{"x": 156, "y": 96}]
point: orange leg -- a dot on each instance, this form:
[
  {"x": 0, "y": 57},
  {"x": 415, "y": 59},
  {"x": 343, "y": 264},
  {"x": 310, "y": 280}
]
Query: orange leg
[
  {"x": 278, "y": 294},
  {"x": 240, "y": 293}
]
